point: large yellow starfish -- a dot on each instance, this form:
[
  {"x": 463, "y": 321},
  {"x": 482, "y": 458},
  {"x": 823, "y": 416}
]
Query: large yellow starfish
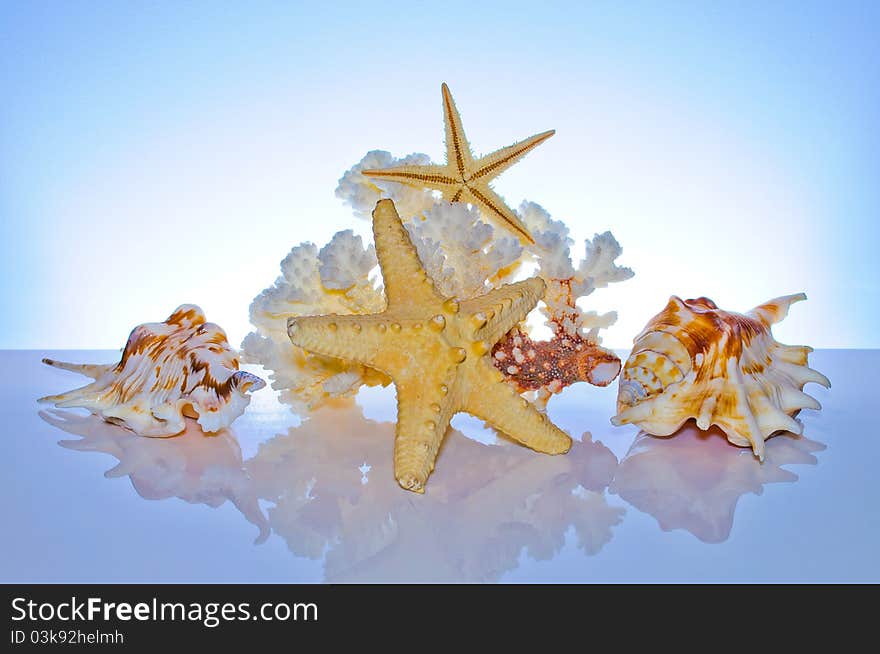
[
  {"x": 434, "y": 349},
  {"x": 463, "y": 178}
]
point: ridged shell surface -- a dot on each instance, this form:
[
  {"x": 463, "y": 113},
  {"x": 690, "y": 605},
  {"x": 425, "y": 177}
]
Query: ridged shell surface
[
  {"x": 181, "y": 367},
  {"x": 694, "y": 360}
]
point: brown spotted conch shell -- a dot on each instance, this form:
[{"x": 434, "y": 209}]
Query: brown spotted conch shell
[
  {"x": 694, "y": 360},
  {"x": 181, "y": 367}
]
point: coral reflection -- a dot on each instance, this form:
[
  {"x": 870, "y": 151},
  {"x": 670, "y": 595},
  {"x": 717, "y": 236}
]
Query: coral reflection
[{"x": 693, "y": 480}]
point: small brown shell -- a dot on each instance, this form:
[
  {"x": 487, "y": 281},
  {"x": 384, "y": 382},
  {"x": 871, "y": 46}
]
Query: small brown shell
[{"x": 552, "y": 365}]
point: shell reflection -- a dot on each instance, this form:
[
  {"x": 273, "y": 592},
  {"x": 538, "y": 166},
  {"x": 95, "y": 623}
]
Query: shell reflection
[
  {"x": 694, "y": 480},
  {"x": 196, "y": 468}
]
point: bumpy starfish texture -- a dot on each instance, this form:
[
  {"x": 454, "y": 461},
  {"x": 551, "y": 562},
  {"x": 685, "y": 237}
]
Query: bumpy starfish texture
[
  {"x": 434, "y": 349},
  {"x": 464, "y": 178}
]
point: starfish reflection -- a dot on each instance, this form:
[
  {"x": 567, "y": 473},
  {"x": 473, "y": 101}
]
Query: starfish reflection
[
  {"x": 693, "y": 480},
  {"x": 335, "y": 496},
  {"x": 194, "y": 467}
]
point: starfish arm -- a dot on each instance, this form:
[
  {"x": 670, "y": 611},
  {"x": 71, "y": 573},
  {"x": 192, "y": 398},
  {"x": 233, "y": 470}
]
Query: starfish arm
[
  {"x": 497, "y": 162},
  {"x": 458, "y": 152},
  {"x": 435, "y": 177},
  {"x": 406, "y": 282},
  {"x": 479, "y": 193},
  {"x": 422, "y": 420},
  {"x": 491, "y": 399},
  {"x": 500, "y": 310},
  {"x": 356, "y": 338}
]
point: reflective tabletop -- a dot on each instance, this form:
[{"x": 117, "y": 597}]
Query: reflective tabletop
[{"x": 277, "y": 498}]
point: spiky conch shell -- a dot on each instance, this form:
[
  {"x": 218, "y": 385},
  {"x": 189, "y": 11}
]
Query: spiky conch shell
[
  {"x": 694, "y": 360},
  {"x": 181, "y": 367}
]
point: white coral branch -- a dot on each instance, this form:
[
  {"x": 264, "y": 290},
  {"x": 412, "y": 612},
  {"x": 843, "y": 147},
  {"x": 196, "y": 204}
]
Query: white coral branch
[
  {"x": 566, "y": 284},
  {"x": 598, "y": 269},
  {"x": 344, "y": 262},
  {"x": 362, "y": 193},
  {"x": 461, "y": 252},
  {"x": 334, "y": 280}
]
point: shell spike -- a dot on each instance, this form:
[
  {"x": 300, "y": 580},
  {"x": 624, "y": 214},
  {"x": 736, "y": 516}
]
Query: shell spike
[
  {"x": 791, "y": 399},
  {"x": 707, "y": 412},
  {"x": 758, "y": 450},
  {"x": 803, "y": 375},
  {"x": 88, "y": 369},
  {"x": 816, "y": 377},
  {"x": 775, "y": 310},
  {"x": 81, "y": 396},
  {"x": 773, "y": 420}
]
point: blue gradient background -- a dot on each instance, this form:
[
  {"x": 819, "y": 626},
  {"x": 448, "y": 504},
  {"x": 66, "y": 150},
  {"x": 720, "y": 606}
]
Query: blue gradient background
[{"x": 155, "y": 154}]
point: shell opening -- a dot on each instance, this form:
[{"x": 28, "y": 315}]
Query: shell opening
[
  {"x": 631, "y": 393},
  {"x": 604, "y": 373},
  {"x": 245, "y": 382}
]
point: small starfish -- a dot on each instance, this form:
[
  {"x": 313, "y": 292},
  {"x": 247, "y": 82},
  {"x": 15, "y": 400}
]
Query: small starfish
[
  {"x": 433, "y": 348},
  {"x": 463, "y": 178}
]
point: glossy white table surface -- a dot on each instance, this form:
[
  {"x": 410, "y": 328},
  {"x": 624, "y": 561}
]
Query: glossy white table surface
[{"x": 87, "y": 501}]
